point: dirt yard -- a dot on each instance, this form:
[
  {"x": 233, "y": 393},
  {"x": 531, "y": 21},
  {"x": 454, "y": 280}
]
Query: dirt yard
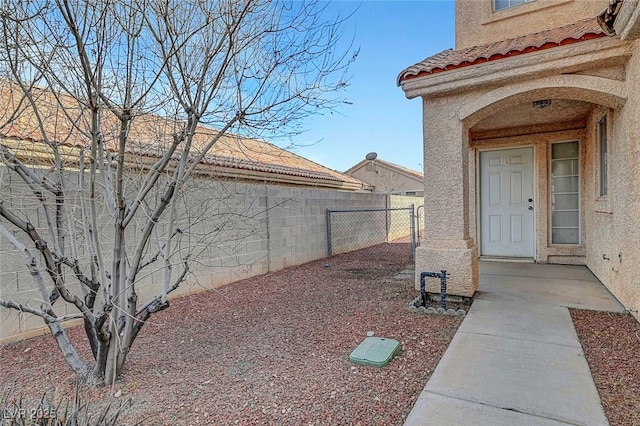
[
  {"x": 269, "y": 350},
  {"x": 611, "y": 343},
  {"x": 274, "y": 350}
]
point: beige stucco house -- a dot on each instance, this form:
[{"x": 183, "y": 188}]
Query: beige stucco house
[
  {"x": 386, "y": 177},
  {"x": 538, "y": 112}
]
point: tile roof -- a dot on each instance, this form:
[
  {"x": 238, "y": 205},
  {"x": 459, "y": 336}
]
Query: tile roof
[
  {"x": 393, "y": 166},
  {"x": 452, "y": 59},
  {"x": 400, "y": 168},
  {"x": 150, "y": 135}
]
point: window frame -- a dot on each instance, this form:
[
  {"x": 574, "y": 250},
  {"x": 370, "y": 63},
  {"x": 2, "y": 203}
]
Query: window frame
[
  {"x": 603, "y": 157},
  {"x": 510, "y": 6}
]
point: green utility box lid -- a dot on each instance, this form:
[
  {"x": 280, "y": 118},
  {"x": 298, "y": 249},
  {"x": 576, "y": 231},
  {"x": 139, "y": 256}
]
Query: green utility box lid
[{"x": 375, "y": 351}]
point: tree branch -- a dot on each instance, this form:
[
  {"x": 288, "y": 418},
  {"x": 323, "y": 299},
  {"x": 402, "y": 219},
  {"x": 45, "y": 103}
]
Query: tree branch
[
  {"x": 47, "y": 317},
  {"x": 156, "y": 304},
  {"x": 50, "y": 262}
]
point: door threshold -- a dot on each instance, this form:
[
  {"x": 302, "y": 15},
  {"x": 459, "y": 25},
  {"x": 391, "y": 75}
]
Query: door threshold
[{"x": 507, "y": 259}]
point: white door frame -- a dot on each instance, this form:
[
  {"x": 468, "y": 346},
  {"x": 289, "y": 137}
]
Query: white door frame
[{"x": 479, "y": 201}]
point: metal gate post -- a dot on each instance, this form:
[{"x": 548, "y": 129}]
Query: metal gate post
[
  {"x": 387, "y": 217},
  {"x": 418, "y": 223},
  {"x": 329, "y": 248},
  {"x": 413, "y": 233}
]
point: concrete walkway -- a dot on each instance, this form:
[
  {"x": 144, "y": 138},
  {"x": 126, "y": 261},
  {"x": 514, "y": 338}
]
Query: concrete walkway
[{"x": 516, "y": 358}]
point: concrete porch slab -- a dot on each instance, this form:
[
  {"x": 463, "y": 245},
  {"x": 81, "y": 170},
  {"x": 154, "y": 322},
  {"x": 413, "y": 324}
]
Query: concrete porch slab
[
  {"x": 569, "y": 292},
  {"x": 536, "y": 270}
]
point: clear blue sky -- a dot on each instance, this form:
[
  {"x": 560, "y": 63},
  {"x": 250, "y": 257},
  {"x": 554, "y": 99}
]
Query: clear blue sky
[{"x": 391, "y": 35}]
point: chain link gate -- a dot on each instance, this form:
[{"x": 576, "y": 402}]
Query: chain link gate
[{"x": 353, "y": 229}]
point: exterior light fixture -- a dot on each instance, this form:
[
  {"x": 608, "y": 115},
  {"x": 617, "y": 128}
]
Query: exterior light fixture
[{"x": 542, "y": 103}]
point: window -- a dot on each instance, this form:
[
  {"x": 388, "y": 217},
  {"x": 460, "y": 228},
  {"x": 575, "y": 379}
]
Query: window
[
  {"x": 602, "y": 142},
  {"x": 505, "y": 4},
  {"x": 565, "y": 193}
]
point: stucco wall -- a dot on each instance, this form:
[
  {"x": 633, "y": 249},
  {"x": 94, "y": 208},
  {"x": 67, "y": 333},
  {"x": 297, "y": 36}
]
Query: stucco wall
[
  {"x": 610, "y": 236},
  {"x": 613, "y": 223},
  {"x": 445, "y": 242},
  {"x": 489, "y": 106},
  {"x": 478, "y": 24},
  {"x": 450, "y": 118},
  {"x": 386, "y": 180},
  {"x": 242, "y": 230}
]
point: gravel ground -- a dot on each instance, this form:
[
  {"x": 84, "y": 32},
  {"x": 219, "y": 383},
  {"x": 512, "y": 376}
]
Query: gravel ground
[
  {"x": 274, "y": 350},
  {"x": 269, "y": 350},
  {"x": 611, "y": 343}
]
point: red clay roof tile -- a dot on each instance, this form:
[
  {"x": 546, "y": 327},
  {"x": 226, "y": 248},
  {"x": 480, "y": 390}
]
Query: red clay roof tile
[
  {"x": 452, "y": 59},
  {"x": 148, "y": 137}
]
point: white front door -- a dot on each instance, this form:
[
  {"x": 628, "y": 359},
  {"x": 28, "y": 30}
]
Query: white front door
[{"x": 506, "y": 203}]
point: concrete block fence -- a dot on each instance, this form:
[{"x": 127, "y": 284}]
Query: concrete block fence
[{"x": 237, "y": 230}]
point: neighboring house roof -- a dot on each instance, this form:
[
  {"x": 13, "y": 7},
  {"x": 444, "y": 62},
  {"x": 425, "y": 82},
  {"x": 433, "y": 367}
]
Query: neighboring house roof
[
  {"x": 391, "y": 166},
  {"x": 452, "y": 59},
  {"x": 232, "y": 155}
]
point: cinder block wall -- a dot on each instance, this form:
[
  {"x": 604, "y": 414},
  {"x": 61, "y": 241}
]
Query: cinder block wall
[
  {"x": 400, "y": 225},
  {"x": 236, "y": 230},
  {"x": 298, "y": 224}
]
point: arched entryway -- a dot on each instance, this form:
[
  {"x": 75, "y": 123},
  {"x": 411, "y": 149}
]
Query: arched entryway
[{"x": 531, "y": 146}]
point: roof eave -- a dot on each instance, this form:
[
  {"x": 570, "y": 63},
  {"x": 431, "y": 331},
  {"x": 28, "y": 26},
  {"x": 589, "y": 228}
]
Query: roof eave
[
  {"x": 274, "y": 178},
  {"x": 400, "y": 170},
  {"x": 390, "y": 166},
  {"x": 33, "y": 155},
  {"x": 604, "y": 51},
  {"x": 356, "y": 166},
  {"x": 498, "y": 56}
]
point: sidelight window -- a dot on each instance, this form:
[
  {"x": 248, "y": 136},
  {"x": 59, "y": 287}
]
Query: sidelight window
[
  {"x": 603, "y": 149},
  {"x": 565, "y": 193}
]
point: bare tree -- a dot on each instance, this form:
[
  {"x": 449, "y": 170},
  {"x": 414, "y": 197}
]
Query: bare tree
[{"x": 110, "y": 111}]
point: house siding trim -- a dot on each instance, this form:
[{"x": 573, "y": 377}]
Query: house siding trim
[
  {"x": 597, "y": 90},
  {"x": 601, "y": 53}
]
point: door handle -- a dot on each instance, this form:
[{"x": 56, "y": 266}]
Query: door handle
[{"x": 530, "y": 207}]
